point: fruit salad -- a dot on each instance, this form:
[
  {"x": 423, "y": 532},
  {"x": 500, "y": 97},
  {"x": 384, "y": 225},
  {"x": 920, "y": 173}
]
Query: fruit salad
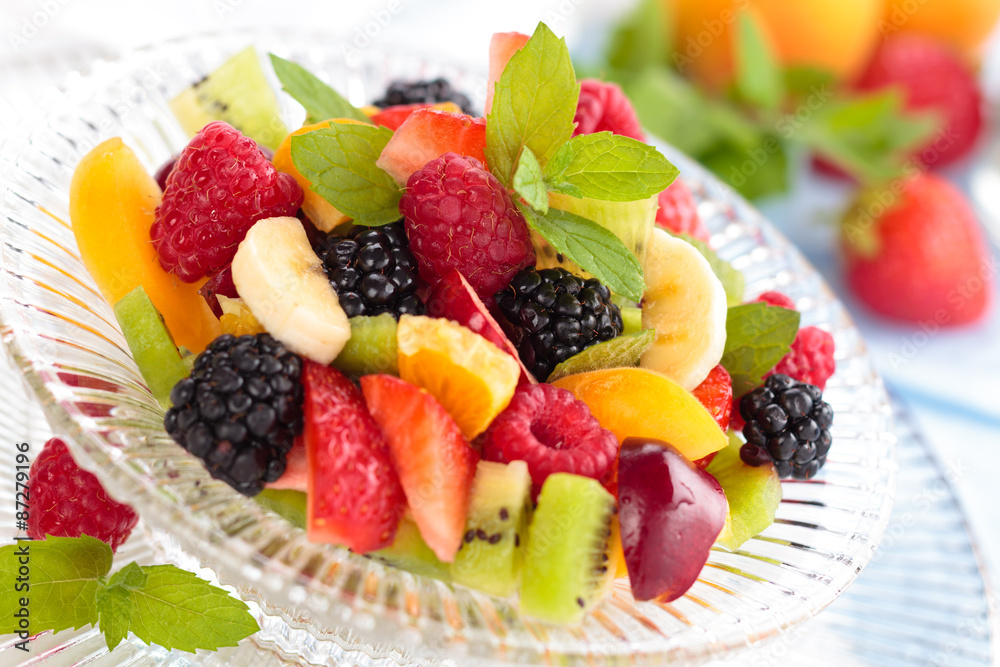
[{"x": 493, "y": 349}]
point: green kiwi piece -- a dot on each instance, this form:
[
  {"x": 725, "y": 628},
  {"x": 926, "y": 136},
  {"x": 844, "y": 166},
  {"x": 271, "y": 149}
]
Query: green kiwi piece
[
  {"x": 754, "y": 493},
  {"x": 408, "y": 551},
  {"x": 566, "y": 563},
  {"x": 631, "y": 320},
  {"x": 496, "y": 529},
  {"x": 152, "y": 346},
  {"x": 619, "y": 352},
  {"x": 371, "y": 348},
  {"x": 238, "y": 93},
  {"x": 286, "y": 503}
]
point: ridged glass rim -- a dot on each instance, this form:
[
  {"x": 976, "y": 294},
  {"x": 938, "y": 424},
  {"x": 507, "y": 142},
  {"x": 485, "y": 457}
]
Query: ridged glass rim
[{"x": 354, "y": 620}]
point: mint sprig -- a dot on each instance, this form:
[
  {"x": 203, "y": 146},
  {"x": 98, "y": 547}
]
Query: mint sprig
[
  {"x": 609, "y": 167},
  {"x": 594, "y": 248},
  {"x": 529, "y": 182},
  {"x": 339, "y": 162},
  {"x": 68, "y": 587},
  {"x": 758, "y": 335},
  {"x": 534, "y": 103},
  {"x": 321, "y": 102}
]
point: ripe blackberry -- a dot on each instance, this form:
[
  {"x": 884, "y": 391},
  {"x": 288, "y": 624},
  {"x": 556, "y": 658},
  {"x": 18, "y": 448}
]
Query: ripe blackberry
[
  {"x": 553, "y": 315},
  {"x": 787, "y": 422},
  {"x": 240, "y": 410},
  {"x": 423, "y": 92},
  {"x": 372, "y": 270}
]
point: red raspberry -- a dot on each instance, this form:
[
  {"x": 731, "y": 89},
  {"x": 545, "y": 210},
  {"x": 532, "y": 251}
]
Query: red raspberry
[
  {"x": 678, "y": 212},
  {"x": 603, "y": 107},
  {"x": 551, "y": 431},
  {"x": 221, "y": 184},
  {"x": 811, "y": 358},
  {"x": 458, "y": 216},
  {"x": 716, "y": 394},
  {"x": 68, "y": 502},
  {"x": 776, "y": 299}
]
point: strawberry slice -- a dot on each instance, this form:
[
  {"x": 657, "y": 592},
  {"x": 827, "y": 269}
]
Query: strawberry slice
[
  {"x": 355, "y": 498},
  {"x": 427, "y": 134},
  {"x": 435, "y": 463},
  {"x": 394, "y": 116},
  {"x": 716, "y": 394}
]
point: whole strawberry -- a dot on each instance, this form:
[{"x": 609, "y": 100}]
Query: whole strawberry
[
  {"x": 68, "y": 502},
  {"x": 603, "y": 107},
  {"x": 458, "y": 216},
  {"x": 221, "y": 184},
  {"x": 918, "y": 256},
  {"x": 678, "y": 212},
  {"x": 931, "y": 77}
]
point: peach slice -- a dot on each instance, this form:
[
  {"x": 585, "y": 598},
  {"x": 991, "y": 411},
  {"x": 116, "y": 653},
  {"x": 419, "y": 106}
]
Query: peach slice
[{"x": 112, "y": 203}]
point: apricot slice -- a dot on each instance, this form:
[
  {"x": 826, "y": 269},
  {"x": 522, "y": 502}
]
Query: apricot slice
[{"x": 112, "y": 203}]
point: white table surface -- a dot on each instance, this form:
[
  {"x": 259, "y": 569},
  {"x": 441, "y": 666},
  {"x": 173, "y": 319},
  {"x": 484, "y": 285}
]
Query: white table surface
[{"x": 949, "y": 381}]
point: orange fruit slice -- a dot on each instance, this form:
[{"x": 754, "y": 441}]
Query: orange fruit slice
[
  {"x": 635, "y": 402},
  {"x": 471, "y": 377},
  {"x": 112, "y": 204}
]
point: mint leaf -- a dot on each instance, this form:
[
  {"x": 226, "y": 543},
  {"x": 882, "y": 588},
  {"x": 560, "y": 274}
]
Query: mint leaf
[
  {"x": 176, "y": 609},
  {"x": 594, "y": 248},
  {"x": 534, "y": 103},
  {"x": 732, "y": 280},
  {"x": 339, "y": 161},
  {"x": 529, "y": 182},
  {"x": 320, "y": 100},
  {"x": 754, "y": 172},
  {"x": 619, "y": 352},
  {"x": 758, "y": 335},
  {"x": 759, "y": 80},
  {"x": 61, "y": 583},
  {"x": 114, "y": 603},
  {"x": 642, "y": 39},
  {"x": 611, "y": 167}
]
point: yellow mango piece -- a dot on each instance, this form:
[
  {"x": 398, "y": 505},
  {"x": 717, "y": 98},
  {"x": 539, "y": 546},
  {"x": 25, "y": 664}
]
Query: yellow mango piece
[{"x": 112, "y": 203}]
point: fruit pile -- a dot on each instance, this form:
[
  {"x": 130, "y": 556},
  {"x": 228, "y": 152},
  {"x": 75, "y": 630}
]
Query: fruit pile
[{"x": 496, "y": 350}]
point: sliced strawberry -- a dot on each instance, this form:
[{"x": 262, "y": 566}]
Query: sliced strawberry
[
  {"x": 453, "y": 298},
  {"x": 392, "y": 117},
  {"x": 427, "y": 134},
  {"x": 296, "y": 475},
  {"x": 716, "y": 394},
  {"x": 355, "y": 498},
  {"x": 435, "y": 463},
  {"x": 503, "y": 45}
]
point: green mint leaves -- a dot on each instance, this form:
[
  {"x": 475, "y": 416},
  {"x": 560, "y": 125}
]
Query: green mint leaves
[
  {"x": 529, "y": 182},
  {"x": 759, "y": 79},
  {"x": 758, "y": 335},
  {"x": 67, "y": 587},
  {"x": 609, "y": 167},
  {"x": 594, "y": 248},
  {"x": 339, "y": 161},
  {"x": 534, "y": 103},
  {"x": 320, "y": 100}
]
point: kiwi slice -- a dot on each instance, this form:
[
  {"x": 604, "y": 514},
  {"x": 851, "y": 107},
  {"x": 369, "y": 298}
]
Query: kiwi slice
[
  {"x": 496, "y": 529},
  {"x": 619, "y": 352},
  {"x": 238, "y": 93},
  {"x": 566, "y": 567},
  {"x": 408, "y": 551},
  {"x": 152, "y": 346},
  {"x": 286, "y": 503},
  {"x": 371, "y": 348},
  {"x": 754, "y": 493}
]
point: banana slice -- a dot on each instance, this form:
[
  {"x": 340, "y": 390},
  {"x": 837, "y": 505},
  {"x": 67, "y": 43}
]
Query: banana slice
[
  {"x": 281, "y": 280},
  {"x": 686, "y": 305}
]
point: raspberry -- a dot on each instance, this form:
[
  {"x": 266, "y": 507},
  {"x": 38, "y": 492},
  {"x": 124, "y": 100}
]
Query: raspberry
[
  {"x": 240, "y": 410},
  {"x": 553, "y": 315},
  {"x": 423, "y": 92},
  {"x": 372, "y": 270},
  {"x": 789, "y": 422},
  {"x": 810, "y": 359},
  {"x": 221, "y": 185},
  {"x": 678, "y": 212},
  {"x": 776, "y": 299},
  {"x": 716, "y": 394},
  {"x": 458, "y": 216},
  {"x": 68, "y": 502},
  {"x": 551, "y": 431},
  {"x": 603, "y": 107}
]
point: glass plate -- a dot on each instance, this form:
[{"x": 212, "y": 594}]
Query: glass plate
[{"x": 65, "y": 341}]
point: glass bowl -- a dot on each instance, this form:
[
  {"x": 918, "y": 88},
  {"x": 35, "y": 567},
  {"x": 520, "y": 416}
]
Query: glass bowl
[{"x": 323, "y": 599}]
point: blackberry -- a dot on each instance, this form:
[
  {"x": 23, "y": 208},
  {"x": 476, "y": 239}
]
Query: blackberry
[
  {"x": 423, "y": 92},
  {"x": 789, "y": 423},
  {"x": 553, "y": 315},
  {"x": 372, "y": 270},
  {"x": 240, "y": 409}
]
